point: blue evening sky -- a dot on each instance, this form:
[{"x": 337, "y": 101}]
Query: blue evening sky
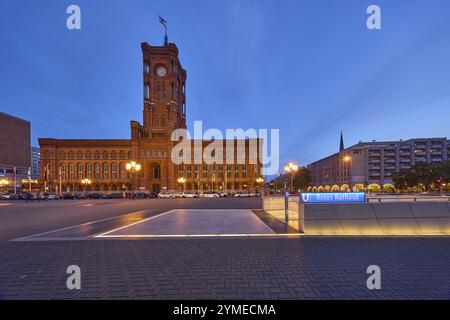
[{"x": 307, "y": 67}]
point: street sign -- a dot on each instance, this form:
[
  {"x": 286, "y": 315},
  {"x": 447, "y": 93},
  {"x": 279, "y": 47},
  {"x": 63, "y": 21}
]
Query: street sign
[{"x": 333, "y": 197}]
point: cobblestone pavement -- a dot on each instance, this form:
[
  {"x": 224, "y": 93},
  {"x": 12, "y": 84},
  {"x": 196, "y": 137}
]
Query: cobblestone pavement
[{"x": 244, "y": 268}]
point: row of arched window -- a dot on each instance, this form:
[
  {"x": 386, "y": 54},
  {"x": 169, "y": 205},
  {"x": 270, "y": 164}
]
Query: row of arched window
[
  {"x": 97, "y": 171},
  {"x": 91, "y": 155}
]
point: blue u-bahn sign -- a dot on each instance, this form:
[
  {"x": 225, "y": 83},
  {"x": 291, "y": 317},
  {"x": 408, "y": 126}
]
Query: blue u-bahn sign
[{"x": 333, "y": 197}]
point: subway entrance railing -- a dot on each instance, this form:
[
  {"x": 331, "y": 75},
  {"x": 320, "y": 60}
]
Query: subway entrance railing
[{"x": 357, "y": 214}]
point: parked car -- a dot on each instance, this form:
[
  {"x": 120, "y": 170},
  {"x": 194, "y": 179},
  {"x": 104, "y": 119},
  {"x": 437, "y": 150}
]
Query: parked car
[
  {"x": 25, "y": 196},
  {"x": 14, "y": 196},
  {"x": 241, "y": 195},
  {"x": 223, "y": 194},
  {"x": 165, "y": 195},
  {"x": 67, "y": 196},
  {"x": 115, "y": 195},
  {"x": 141, "y": 195},
  {"x": 5, "y": 196},
  {"x": 153, "y": 195},
  {"x": 190, "y": 194},
  {"x": 96, "y": 195},
  {"x": 210, "y": 194}
]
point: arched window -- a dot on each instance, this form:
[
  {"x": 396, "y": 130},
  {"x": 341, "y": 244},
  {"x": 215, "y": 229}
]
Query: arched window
[
  {"x": 88, "y": 155},
  {"x": 97, "y": 155},
  {"x": 79, "y": 155},
  {"x": 157, "y": 172},
  {"x": 97, "y": 171},
  {"x": 122, "y": 155},
  {"x": 105, "y": 171},
  {"x": 63, "y": 171},
  {"x": 113, "y": 155},
  {"x": 89, "y": 171},
  {"x": 122, "y": 170},
  {"x": 105, "y": 154},
  {"x": 146, "y": 92},
  {"x": 71, "y": 155},
  {"x": 114, "y": 170},
  {"x": 80, "y": 171},
  {"x": 71, "y": 171},
  {"x": 62, "y": 155}
]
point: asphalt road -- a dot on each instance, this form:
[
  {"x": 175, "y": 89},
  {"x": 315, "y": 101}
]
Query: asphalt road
[{"x": 20, "y": 219}]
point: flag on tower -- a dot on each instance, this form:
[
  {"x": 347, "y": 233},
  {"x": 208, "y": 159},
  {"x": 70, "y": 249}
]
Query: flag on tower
[{"x": 162, "y": 21}]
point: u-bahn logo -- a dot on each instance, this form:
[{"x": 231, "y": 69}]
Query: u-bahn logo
[{"x": 305, "y": 197}]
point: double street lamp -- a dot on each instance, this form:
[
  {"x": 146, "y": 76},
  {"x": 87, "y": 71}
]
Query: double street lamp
[
  {"x": 260, "y": 181},
  {"x": 182, "y": 181},
  {"x": 291, "y": 168},
  {"x": 85, "y": 183},
  {"x": 133, "y": 168}
]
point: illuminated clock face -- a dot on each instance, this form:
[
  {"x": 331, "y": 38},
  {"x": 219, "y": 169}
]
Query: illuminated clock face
[{"x": 161, "y": 71}]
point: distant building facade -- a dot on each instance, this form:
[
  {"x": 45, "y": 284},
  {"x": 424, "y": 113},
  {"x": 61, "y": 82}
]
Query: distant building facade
[
  {"x": 375, "y": 162},
  {"x": 65, "y": 163},
  {"x": 35, "y": 162},
  {"x": 15, "y": 158}
]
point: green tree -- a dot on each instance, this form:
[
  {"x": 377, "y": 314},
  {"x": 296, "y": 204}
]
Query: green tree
[{"x": 302, "y": 179}]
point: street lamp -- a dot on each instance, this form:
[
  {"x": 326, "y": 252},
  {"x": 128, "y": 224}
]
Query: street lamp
[
  {"x": 182, "y": 181},
  {"x": 260, "y": 181},
  {"x": 85, "y": 183},
  {"x": 4, "y": 183},
  {"x": 291, "y": 168},
  {"x": 133, "y": 168}
]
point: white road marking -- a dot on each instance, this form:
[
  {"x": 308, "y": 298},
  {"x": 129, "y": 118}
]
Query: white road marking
[{"x": 75, "y": 226}]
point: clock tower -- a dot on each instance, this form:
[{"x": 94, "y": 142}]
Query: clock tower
[
  {"x": 164, "y": 100},
  {"x": 164, "y": 88}
]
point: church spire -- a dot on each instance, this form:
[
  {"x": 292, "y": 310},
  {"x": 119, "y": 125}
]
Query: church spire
[{"x": 341, "y": 146}]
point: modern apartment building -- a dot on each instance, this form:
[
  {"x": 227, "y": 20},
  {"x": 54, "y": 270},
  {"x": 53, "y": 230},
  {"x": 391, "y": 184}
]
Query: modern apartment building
[{"x": 375, "y": 162}]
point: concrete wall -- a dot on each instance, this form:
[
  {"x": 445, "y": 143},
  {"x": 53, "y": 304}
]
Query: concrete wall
[
  {"x": 273, "y": 203},
  {"x": 432, "y": 218}
]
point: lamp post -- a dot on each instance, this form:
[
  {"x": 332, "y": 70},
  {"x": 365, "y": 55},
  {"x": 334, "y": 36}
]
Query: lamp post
[
  {"x": 133, "y": 168},
  {"x": 291, "y": 168},
  {"x": 259, "y": 181},
  {"x": 85, "y": 183},
  {"x": 182, "y": 181},
  {"x": 4, "y": 183}
]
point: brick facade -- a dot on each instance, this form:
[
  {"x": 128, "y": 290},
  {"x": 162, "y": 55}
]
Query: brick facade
[
  {"x": 14, "y": 141},
  {"x": 67, "y": 162}
]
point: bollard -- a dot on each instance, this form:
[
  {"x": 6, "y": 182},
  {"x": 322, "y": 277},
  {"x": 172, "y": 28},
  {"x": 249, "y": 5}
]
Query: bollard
[{"x": 286, "y": 207}]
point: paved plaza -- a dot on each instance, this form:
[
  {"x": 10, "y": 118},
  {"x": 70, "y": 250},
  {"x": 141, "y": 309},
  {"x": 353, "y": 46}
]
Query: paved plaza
[{"x": 39, "y": 241}]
